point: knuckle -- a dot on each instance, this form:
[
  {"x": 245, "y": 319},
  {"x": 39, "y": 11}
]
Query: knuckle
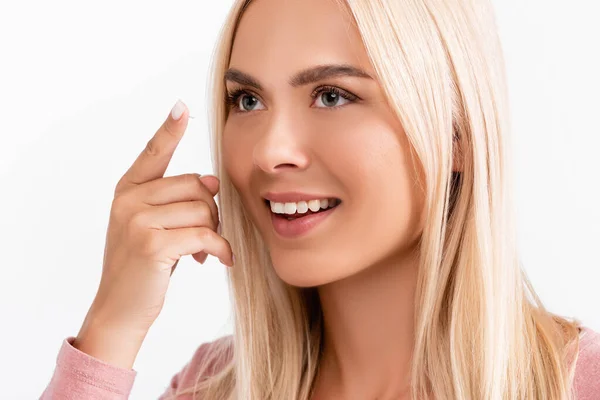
[
  {"x": 138, "y": 220},
  {"x": 122, "y": 186},
  {"x": 118, "y": 187},
  {"x": 206, "y": 213},
  {"x": 152, "y": 147},
  {"x": 202, "y": 209},
  {"x": 120, "y": 207},
  {"x": 192, "y": 180}
]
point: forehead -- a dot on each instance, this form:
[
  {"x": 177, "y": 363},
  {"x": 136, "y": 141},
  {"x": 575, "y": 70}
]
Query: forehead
[{"x": 276, "y": 38}]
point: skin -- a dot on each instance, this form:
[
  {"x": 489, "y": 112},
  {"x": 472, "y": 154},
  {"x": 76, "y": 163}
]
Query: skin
[{"x": 363, "y": 257}]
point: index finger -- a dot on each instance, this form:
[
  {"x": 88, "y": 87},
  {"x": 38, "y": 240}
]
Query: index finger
[{"x": 153, "y": 161}]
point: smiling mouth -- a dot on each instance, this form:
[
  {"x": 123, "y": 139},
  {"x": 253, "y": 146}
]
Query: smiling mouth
[{"x": 333, "y": 203}]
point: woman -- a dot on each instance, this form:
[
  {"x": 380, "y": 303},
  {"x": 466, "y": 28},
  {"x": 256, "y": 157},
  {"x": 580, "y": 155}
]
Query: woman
[{"x": 363, "y": 180}]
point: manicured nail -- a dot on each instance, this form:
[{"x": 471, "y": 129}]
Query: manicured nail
[
  {"x": 177, "y": 110},
  {"x": 233, "y": 258}
]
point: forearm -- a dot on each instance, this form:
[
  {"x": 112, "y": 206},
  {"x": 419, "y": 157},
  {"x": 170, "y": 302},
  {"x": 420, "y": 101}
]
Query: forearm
[{"x": 117, "y": 346}]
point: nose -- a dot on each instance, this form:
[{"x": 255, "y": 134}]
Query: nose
[{"x": 281, "y": 147}]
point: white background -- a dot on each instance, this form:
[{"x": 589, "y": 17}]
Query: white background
[{"x": 83, "y": 87}]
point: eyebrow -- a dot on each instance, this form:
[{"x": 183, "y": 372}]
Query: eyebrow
[{"x": 304, "y": 77}]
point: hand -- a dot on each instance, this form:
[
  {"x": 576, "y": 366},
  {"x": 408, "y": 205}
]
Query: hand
[{"x": 154, "y": 221}]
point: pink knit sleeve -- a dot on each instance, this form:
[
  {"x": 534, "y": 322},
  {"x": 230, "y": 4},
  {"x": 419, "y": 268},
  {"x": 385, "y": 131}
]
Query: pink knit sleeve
[
  {"x": 186, "y": 378},
  {"x": 80, "y": 376},
  {"x": 587, "y": 369}
]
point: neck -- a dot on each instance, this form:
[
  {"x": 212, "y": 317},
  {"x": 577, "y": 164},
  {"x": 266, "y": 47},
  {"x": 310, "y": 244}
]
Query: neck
[{"x": 368, "y": 330}]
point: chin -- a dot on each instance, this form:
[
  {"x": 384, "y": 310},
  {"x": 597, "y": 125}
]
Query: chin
[{"x": 310, "y": 271}]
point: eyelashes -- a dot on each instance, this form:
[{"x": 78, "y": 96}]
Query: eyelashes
[{"x": 232, "y": 98}]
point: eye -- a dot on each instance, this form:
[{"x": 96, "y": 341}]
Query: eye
[
  {"x": 242, "y": 101},
  {"x": 328, "y": 97},
  {"x": 332, "y": 97}
]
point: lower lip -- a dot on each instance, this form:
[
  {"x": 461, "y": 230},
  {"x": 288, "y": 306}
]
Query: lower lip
[{"x": 299, "y": 226}]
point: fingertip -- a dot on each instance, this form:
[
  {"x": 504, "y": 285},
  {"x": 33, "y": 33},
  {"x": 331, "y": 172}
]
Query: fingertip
[
  {"x": 228, "y": 264},
  {"x": 178, "y": 110},
  {"x": 211, "y": 182}
]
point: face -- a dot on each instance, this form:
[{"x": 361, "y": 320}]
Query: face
[{"x": 298, "y": 138}]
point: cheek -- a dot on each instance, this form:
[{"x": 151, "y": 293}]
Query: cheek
[
  {"x": 368, "y": 153},
  {"x": 236, "y": 158},
  {"x": 384, "y": 206},
  {"x": 366, "y": 150},
  {"x": 237, "y": 161}
]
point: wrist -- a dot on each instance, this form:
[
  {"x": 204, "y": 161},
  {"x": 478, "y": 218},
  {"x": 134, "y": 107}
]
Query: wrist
[{"x": 112, "y": 344}]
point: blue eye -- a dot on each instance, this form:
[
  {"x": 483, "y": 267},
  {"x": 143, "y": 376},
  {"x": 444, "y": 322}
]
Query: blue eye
[
  {"x": 241, "y": 100},
  {"x": 329, "y": 99},
  {"x": 330, "y": 96}
]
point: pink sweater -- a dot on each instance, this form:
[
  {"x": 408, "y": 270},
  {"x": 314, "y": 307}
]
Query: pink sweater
[{"x": 80, "y": 376}]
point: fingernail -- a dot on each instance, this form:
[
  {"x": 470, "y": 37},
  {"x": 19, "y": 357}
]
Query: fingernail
[
  {"x": 233, "y": 259},
  {"x": 177, "y": 110}
]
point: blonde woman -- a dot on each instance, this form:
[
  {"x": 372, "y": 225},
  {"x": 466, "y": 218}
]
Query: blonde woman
[{"x": 363, "y": 166}]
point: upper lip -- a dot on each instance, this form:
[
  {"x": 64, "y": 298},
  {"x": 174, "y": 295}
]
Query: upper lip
[{"x": 294, "y": 197}]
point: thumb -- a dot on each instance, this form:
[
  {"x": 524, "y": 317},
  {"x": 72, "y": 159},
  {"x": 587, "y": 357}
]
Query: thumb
[{"x": 211, "y": 182}]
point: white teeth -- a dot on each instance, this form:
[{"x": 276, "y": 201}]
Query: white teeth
[
  {"x": 302, "y": 206},
  {"x": 277, "y": 208},
  {"x": 290, "y": 208},
  {"x": 314, "y": 205}
]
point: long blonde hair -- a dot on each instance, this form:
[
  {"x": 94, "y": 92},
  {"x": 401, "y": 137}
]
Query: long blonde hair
[{"x": 481, "y": 331}]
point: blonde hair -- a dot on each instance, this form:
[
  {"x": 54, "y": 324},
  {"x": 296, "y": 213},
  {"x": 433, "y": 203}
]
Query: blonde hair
[{"x": 481, "y": 331}]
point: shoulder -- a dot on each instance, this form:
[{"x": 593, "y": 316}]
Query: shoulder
[
  {"x": 213, "y": 355},
  {"x": 208, "y": 359},
  {"x": 587, "y": 369}
]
